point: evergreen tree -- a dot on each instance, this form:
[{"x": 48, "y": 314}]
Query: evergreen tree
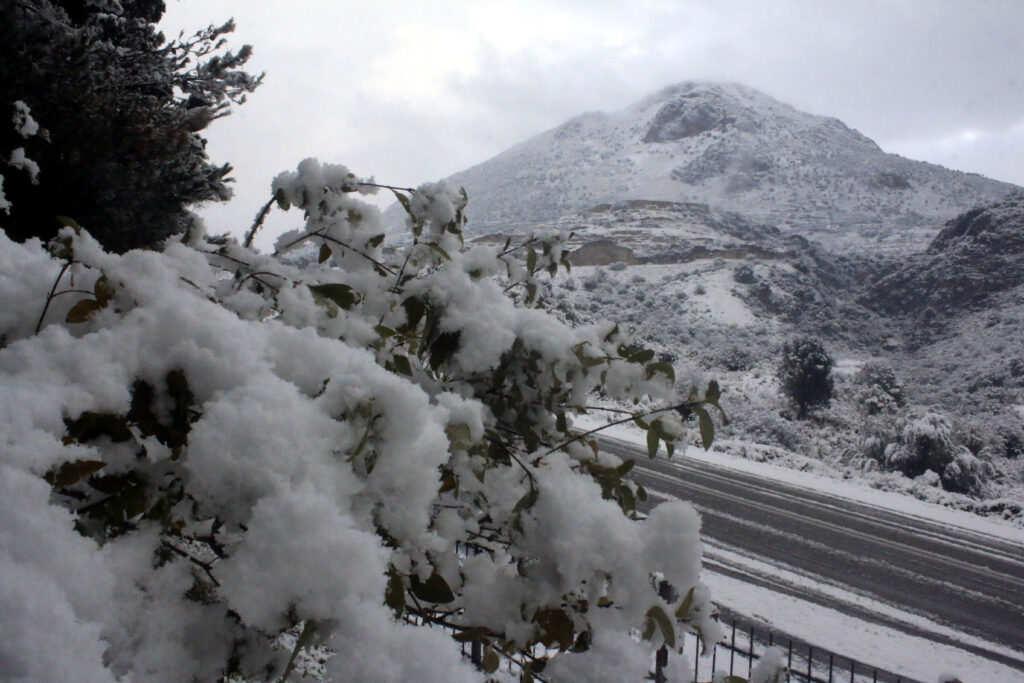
[
  {"x": 121, "y": 108},
  {"x": 805, "y": 373}
]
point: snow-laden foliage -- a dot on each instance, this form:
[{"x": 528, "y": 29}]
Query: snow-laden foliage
[
  {"x": 923, "y": 446},
  {"x": 805, "y": 374},
  {"x": 111, "y": 112},
  {"x": 880, "y": 391},
  {"x": 204, "y": 448}
]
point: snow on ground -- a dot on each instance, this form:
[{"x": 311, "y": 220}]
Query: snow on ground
[
  {"x": 859, "y": 639},
  {"x": 723, "y": 306},
  {"x": 850, "y": 489}
]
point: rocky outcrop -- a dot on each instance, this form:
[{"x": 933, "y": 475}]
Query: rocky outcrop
[{"x": 975, "y": 257}]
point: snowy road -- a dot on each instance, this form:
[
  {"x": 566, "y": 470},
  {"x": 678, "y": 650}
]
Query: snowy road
[{"x": 959, "y": 586}]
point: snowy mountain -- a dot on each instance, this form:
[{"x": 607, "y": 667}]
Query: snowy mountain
[
  {"x": 734, "y": 149},
  {"x": 719, "y": 294}
]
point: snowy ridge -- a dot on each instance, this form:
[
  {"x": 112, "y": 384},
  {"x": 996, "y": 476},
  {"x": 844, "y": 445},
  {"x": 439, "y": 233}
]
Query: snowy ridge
[{"x": 735, "y": 149}]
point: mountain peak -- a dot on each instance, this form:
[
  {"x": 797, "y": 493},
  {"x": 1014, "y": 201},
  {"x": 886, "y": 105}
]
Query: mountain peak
[{"x": 731, "y": 147}]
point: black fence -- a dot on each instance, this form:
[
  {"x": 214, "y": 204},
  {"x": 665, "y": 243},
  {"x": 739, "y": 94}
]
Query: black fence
[{"x": 743, "y": 643}]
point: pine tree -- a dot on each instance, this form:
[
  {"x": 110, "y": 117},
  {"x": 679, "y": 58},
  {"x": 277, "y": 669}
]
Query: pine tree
[
  {"x": 805, "y": 373},
  {"x": 122, "y": 109}
]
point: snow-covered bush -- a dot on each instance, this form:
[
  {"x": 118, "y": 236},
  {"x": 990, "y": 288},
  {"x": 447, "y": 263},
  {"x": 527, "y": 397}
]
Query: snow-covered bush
[
  {"x": 805, "y": 374},
  {"x": 925, "y": 444},
  {"x": 880, "y": 390},
  {"x": 203, "y": 448}
]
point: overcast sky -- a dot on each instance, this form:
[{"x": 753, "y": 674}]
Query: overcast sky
[{"x": 414, "y": 91}]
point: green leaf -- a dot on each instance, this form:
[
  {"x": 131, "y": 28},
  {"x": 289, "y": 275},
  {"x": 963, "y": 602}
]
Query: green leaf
[
  {"x": 402, "y": 365},
  {"x": 662, "y": 367},
  {"x": 103, "y": 291},
  {"x": 72, "y": 472},
  {"x": 657, "y": 616},
  {"x": 404, "y": 201},
  {"x": 653, "y": 436},
  {"x": 623, "y": 469},
  {"x": 459, "y": 435},
  {"x": 336, "y": 292},
  {"x": 325, "y": 253},
  {"x": 560, "y": 422},
  {"x": 531, "y": 260},
  {"x": 627, "y": 501},
  {"x": 435, "y": 589},
  {"x": 531, "y": 292},
  {"x": 555, "y": 627},
  {"x": 490, "y": 661},
  {"x": 82, "y": 311},
  {"x": 527, "y": 501},
  {"x": 437, "y": 248},
  {"x": 394, "y": 595},
  {"x": 384, "y": 331},
  {"x": 641, "y": 492},
  {"x": 649, "y": 628},
  {"x": 90, "y": 426},
  {"x": 713, "y": 393},
  {"x": 415, "y": 308},
  {"x": 443, "y": 348},
  {"x": 684, "y": 608},
  {"x": 641, "y": 356},
  {"x": 707, "y": 427},
  {"x": 375, "y": 241},
  {"x": 448, "y": 482}
]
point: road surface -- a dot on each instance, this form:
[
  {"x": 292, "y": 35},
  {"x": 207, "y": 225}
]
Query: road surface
[{"x": 971, "y": 582}]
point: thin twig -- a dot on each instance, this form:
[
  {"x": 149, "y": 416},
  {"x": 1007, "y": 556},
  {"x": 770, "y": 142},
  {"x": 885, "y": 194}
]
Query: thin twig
[
  {"x": 387, "y": 187},
  {"x": 610, "y": 410},
  {"x": 49, "y": 297},
  {"x": 73, "y": 291},
  {"x": 320, "y": 234},
  {"x": 255, "y": 276},
  {"x": 205, "y": 566},
  {"x": 229, "y": 258},
  {"x": 678, "y": 408},
  {"x": 257, "y": 224}
]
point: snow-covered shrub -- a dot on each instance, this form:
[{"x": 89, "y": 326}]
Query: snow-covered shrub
[
  {"x": 805, "y": 374},
  {"x": 736, "y": 359},
  {"x": 203, "y": 448},
  {"x": 924, "y": 444},
  {"x": 880, "y": 390},
  {"x": 744, "y": 274}
]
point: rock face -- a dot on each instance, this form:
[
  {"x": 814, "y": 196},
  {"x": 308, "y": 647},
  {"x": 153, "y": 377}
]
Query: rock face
[
  {"x": 734, "y": 149},
  {"x": 975, "y": 257}
]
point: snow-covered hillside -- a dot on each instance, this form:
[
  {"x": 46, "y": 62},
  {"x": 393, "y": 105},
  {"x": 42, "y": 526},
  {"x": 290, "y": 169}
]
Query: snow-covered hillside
[
  {"x": 720, "y": 294},
  {"x": 735, "y": 149}
]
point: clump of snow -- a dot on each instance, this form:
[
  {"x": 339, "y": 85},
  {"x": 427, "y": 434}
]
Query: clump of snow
[
  {"x": 771, "y": 668},
  {"x": 24, "y": 124},
  {"x": 19, "y": 161}
]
